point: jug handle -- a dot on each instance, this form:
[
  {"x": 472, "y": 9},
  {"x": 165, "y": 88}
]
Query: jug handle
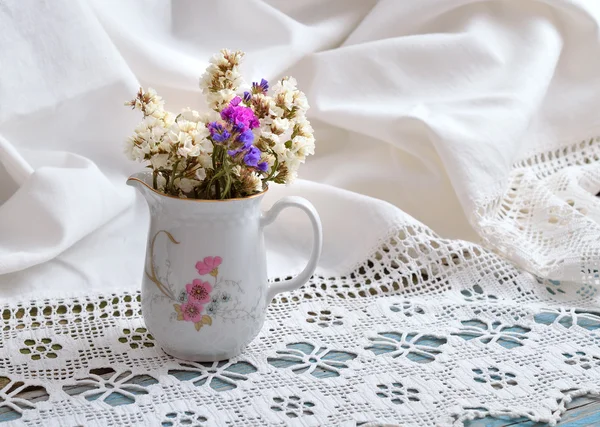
[{"x": 270, "y": 216}]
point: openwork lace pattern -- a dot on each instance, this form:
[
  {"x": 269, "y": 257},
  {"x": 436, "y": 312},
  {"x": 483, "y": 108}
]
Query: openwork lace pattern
[
  {"x": 425, "y": 332},
  {"x": 548, "y": 221}
]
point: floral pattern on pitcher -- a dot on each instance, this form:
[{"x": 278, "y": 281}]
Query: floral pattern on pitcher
[
  {"x": 205, "y": 298},
  {"x": 202, "y": 297}
]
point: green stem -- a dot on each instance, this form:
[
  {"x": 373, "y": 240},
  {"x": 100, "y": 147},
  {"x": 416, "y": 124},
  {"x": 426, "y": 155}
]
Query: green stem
[
  {"x": 155, "y": 179},
  {"x": 174, "y": 175},
  {"x": 273, "y": 169},
  {"x": 210, "y": 183},
  {"x": 227, "y": 187},
  {"x": 214, "y": 156}
]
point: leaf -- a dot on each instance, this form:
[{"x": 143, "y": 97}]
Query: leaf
[
  {"x": 206, "y": 320},
  {"x": 198, "y": 325},
  {"x": 177, "y": 308}
]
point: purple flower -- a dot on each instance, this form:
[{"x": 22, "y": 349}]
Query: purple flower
[
  {"x": 247, "y": 97},
  {"x": 261, "y": 87},
  {"x": 214, "y": 127},
  {"x": 218, "y": 132},
  {"x": 239, "y": 115},
  {"x": 246, "y": 137},
  {"x": 238, "y": 128},
  {"x": 252, "y": 157},
  {"x": 263, "y": 166}
]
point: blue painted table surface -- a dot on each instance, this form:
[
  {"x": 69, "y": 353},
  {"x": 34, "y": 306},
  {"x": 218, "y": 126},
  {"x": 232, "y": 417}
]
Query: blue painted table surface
[{"x": 581, "y": 412}]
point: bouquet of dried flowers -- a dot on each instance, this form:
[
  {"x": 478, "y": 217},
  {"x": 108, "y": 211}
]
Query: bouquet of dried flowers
[{"x": 253, "y": 135}]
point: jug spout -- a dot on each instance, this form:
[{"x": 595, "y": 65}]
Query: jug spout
[{"x": 142, "y": 181}]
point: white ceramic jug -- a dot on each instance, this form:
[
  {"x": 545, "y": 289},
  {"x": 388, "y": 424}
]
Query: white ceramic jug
[{"x": 205, "y": 288}]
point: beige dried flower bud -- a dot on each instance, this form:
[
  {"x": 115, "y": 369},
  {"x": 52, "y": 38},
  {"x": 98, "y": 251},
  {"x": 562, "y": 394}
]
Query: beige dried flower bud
[
  {"x": 282, "y": 175},
  {"x": 262, "y": 144},
  {"x": 250, "y": 182},
  {"x": 269, "y": 158},
  {"x": 260, "y": 104}
]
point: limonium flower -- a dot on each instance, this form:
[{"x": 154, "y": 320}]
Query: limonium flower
[
  {"x": 246, "y": 137},
  {"x": 261, "y": 87},
  {"x": 247, "y": 140},
  {"x": 236, "y": 114},
  {"x": 218, "y": 133},
  {"x": 252, "y": 156}
]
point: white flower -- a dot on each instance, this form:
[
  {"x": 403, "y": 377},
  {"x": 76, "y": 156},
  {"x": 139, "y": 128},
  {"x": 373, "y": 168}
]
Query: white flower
[
  {"x": 190, "y": 115},
  {"x": 269, "y": 158},
  {"x": 187, "y": 126},
  {"x": 234, "y": 76},
  {"x": 186, "y": 185},
  {"x": 304, "y": 127},
  {"x": 292, "y": 162},
  {"x": 201, "y": 134},
  {"x": 301, "y": 102},
  {"x": 286, "y": 84},
  {"x": 280, "y": 149},
  {"x": 208, "y": 116},
  {"x": 270, "y": 137},
  {"x": 201, "y": 174},
  {"x": 157, "y": 133},
  {"x": 152, "y": 125},
  {"x": 205, "y": 161},
  {"x": 159, "y": 161},
  {"x": 221, "y": 75},
  {"x": 188, "y": 148},
  {"x": 303, "y": 146},
  {"x": 276, "y": 111},
  {"x": 280, "y": 125},
  {"x": 164, "y": 145},
  {"x": 155, "y": 104},
  {"x": 154, "y": 96},
  {"x": 292, "y": 176},
  {"x": 219, "y": 59},
  {"x": 206, "y": 78},
  {"x": 288, "y": 99},
  {"x": 219, "y": 99},
  {"x": 168, "y": 119},
  {"x": 256, "y": 181},
  {"x": 147, "y": 138},
  {"x": 236, "y": 170},
  {"x": 179, "y": 138},
  {"x": 131, "y": 150}
]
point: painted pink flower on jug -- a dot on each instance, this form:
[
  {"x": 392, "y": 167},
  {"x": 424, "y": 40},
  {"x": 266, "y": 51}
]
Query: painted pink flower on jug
[
  {"x": 191, "y": 311},
  {"x": 209, "y": 265},
  {"x": 198, "y": 291}
]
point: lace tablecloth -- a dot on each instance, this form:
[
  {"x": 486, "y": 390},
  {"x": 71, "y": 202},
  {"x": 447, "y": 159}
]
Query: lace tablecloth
[{"x": 426, "y": 332}]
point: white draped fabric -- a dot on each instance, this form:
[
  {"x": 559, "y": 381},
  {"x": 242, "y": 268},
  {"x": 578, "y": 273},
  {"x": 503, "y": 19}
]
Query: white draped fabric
[{"x": 426, "y": 105}]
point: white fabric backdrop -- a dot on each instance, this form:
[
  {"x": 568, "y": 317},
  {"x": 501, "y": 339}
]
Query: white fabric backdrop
[{"x": 423, "y": 104}]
